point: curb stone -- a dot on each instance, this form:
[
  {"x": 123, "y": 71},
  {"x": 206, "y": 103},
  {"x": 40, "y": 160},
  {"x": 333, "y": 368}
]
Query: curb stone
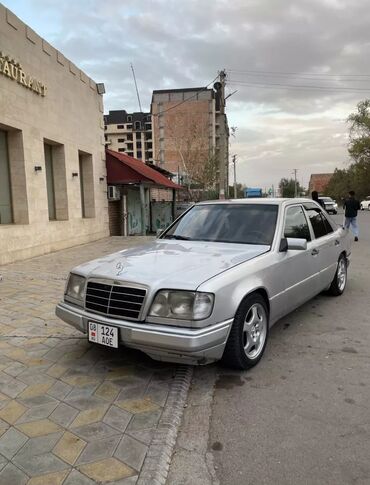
[{"x": 158, "y": 458}]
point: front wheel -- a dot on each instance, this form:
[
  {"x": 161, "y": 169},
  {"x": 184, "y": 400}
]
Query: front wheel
[
  {"x": 248, "y": 335},
  {"x": 339, "y": 282}
]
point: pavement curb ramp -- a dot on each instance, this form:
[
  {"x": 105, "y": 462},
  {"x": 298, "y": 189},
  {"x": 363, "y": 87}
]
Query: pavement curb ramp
[{"x": 158, "y": 458}]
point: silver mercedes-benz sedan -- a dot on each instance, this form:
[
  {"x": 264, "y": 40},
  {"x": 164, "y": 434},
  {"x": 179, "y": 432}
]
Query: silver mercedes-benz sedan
[{"x": 213, "y": 283}]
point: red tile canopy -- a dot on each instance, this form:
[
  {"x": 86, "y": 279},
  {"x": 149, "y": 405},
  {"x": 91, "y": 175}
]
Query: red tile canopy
[{"x": 123, "y": 169}]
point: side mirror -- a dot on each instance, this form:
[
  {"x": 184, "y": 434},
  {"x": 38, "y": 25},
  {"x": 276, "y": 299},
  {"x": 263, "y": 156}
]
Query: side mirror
[{"x": 297, "y": 244}]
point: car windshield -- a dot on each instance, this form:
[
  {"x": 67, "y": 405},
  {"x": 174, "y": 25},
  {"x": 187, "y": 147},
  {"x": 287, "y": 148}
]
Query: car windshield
[
  {"x": 326, "y": 199},
  {"x": 230, "y": 223}
]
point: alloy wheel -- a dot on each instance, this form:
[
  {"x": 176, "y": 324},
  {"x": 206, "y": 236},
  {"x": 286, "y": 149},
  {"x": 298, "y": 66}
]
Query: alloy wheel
[
  {"x": 254, "y": 331},
  {"x": 342, "y": 274}
]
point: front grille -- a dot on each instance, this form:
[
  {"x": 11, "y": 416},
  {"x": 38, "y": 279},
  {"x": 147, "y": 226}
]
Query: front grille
[{"x": 115, "y": 301}]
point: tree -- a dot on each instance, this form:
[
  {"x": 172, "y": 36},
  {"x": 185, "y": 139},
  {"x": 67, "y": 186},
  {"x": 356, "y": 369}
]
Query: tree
[
  {"x": 239, "y": 191},
  {"x": 188, "y": 140},
  {"x": 359, "y": 132},
  {"x": 287, "y": 189},
  {"x": 357, "y": 176}
]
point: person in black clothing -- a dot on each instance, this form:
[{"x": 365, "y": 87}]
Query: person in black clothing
[
  {"x": 351, "y": 206},
  {"x": 315, "y": 197}
]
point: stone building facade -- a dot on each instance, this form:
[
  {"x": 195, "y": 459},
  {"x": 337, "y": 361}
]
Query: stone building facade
[{"x": 53, "y": 191}]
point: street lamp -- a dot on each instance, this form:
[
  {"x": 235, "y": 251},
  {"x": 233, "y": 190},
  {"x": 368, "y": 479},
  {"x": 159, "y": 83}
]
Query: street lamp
[{"x": 235, "y": 187}]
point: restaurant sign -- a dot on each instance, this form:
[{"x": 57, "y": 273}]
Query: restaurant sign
[{"x": 13, "y": 70}]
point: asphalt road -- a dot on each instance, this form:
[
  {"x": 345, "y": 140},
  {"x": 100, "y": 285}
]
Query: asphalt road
[{"x": 302, "y": 415}]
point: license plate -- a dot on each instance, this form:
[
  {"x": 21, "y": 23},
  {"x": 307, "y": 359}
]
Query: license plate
[{"x": 103, "y": 334}]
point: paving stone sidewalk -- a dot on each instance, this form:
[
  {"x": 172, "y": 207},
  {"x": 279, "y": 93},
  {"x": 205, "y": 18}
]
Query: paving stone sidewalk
[{"x": 71, "y": 413}]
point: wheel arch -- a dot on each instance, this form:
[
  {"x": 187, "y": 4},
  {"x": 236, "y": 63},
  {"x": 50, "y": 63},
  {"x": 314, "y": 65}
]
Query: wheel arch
[{"x": 259, "y": 291}]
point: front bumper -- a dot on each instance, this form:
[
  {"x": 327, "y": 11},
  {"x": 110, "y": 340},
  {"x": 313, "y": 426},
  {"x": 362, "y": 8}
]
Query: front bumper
[{"x": 161, "y": 342}]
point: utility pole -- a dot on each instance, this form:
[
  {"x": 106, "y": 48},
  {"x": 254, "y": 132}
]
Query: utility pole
[
  {"x": 235, "y": 187},
  {"x": 295, "y": 181},
  {"x": 223, "y": 149}
]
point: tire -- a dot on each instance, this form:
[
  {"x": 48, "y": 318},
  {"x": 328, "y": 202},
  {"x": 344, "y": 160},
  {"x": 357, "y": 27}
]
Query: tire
[
  {"x": 249, "y": 333},
  {"x": 338, "y": 285}
]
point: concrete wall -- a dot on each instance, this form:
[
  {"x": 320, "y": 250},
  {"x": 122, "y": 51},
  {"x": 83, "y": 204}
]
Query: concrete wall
[
  {"x": 161, "y": 215},
  {"x": 70, "y": 117}
]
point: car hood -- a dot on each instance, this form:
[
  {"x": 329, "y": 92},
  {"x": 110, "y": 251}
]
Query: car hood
[{"x": 171, "y": 264}]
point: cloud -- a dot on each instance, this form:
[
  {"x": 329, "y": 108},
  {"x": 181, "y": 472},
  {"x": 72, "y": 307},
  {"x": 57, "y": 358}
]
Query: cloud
[{"x": 292, "y": 62}]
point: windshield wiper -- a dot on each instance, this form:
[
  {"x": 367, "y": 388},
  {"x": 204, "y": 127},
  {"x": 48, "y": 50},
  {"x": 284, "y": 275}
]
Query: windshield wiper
[{"x": 176, "y": 236}]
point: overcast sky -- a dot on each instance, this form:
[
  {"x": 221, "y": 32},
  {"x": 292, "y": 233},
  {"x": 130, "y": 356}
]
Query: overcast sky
[{"x": 300, "y": 66}]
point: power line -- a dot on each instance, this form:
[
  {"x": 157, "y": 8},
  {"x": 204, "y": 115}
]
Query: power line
[
  {"x": 188, "y": 99},
  {"x": 296, "y": 73},
  {"x": 307, "y": 77},
  {"x": 265, "y": 84}
]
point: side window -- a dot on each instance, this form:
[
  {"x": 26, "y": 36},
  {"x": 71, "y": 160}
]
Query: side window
[
  {"x": 328, "y": 226},
  {"x": 296, "y": 224},
  {"x": 320, "y": 225}
]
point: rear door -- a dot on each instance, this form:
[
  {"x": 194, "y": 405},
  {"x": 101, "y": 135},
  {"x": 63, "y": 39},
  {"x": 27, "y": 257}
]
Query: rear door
[{"x": 325, "y": 245}]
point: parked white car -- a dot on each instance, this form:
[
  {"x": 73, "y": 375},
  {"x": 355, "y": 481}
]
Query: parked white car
[
  {"x": 330, "y": 205},
  {"x": 365, "y": 204},
  {"x": 213, "y": 283}
]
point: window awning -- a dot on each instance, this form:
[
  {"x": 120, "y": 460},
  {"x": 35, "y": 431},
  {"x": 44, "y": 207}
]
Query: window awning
[{"x": 123, "y": 169}]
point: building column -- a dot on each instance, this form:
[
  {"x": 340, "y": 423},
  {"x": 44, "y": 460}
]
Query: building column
[
  {"x": 123, "y": 218},
  {"x": 142, "y": 203},
  {"x": 173, "y": 204}
]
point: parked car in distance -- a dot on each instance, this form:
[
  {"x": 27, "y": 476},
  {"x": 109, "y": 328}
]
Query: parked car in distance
[
  {"x": 330, "y": 205},
  {"x": 211, "y": 286},
  {"x": 365, "y": 204}
]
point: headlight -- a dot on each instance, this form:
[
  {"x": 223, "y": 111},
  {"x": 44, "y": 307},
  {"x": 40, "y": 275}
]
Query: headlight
[
  {"x": 76, "y": 287},
  {"x": 184, "y": 305}
]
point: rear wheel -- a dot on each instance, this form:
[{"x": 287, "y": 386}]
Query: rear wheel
[
  {"x": 248, "y": 336},
  {"x": 339, "y": 282}
]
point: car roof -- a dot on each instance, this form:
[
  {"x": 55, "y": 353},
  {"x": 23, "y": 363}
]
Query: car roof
[{"x": 258, "y": 201}]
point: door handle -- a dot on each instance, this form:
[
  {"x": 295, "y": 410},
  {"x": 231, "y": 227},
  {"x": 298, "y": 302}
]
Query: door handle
[
  {"x": 337, "y": 242},
  {"x": 315, "y": 252}
]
